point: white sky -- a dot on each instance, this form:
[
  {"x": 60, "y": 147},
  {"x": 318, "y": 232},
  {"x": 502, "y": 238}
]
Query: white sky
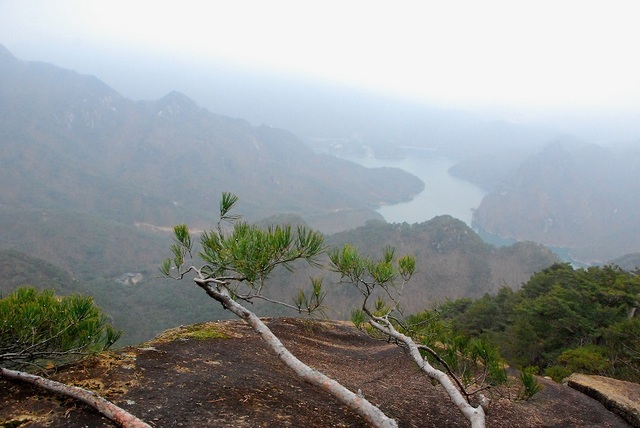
[{"x": 557, "y": 54}]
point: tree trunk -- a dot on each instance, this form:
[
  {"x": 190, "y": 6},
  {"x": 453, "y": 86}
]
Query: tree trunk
[
  {"x": 107, "y": 408},
  {"x": 475, "y": 415},
  {"x": 359, "y": 404}
]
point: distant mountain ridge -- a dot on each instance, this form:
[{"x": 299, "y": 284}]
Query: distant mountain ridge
[
  {"x": 570, "y": 194},
  {"x": 452, "y": 262},
  {"x": 70, "y": 141}
]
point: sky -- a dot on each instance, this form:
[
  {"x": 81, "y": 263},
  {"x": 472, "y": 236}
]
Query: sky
[{"x": 556, "y": 55}]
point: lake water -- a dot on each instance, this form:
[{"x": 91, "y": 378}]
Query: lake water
[{"x": 443, "y": 193}]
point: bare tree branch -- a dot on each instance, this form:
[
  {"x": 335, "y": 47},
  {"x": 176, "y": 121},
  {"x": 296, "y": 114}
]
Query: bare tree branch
[
  {"x": 107, "y": 408},
  {"x": 363, "y": 271},
  {"x": 447, "y": 368},
  {"x": 475, "y": 415}
]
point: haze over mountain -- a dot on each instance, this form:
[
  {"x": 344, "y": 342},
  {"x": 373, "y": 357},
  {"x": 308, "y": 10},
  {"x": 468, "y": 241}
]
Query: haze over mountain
[
  {"x": 256, "y": 60},
  {"x": 331, "y": 119},
  {"x": 166, "y": 161},
  {"x": 490, "y": 143},
  {"x": 153, "y": 109},
  {"x": 91, "y": 182},
  {"x": 570, "y": 194}
]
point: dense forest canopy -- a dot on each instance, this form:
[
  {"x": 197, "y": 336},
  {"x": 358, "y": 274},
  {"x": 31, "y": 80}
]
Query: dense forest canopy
[
  {"x": 562, "y": 320},
  {"x": 453, "y": 262}
]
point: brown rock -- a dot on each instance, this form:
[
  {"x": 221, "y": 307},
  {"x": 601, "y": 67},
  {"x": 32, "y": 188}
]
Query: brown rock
[{"x": 618, "y": 396}]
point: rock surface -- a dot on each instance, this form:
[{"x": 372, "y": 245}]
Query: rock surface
[
  {"x": 618, "y": 396},
  {"x": 221, "y": 374}
]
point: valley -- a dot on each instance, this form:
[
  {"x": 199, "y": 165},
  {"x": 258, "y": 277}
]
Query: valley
[
  {"x": 92, "y": 183},
  {"x": 311, "y": 214}
]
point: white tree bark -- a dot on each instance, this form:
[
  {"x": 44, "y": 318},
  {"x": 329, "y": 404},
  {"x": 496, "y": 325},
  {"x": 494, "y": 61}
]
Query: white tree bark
[
  {"x": 475, "y": 415},
  {"x": 107, "y": 408},
  {"x": 359, "y": 404}
]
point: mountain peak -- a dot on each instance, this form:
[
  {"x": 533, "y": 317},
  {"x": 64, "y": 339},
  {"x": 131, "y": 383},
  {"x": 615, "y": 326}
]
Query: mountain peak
[{"x": 176, "y": 103}]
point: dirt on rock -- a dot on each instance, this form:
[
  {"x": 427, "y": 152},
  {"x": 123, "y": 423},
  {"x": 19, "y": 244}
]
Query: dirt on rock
[{"x": 221, "y": 374}]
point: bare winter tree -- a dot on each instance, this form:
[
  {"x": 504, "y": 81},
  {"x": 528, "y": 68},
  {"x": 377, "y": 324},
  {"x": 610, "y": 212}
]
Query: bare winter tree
[
  {"x": 379, "y": 281},
  {"x": 234, "y": 266},
  {"x": 39, "y": 329}
]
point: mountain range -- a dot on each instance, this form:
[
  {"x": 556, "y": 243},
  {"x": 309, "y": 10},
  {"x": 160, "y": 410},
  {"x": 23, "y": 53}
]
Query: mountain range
[
  {"x": 92, "y": 182},
  {"x": 570, "y": 194},
  {"x": 71, "y": 142}
]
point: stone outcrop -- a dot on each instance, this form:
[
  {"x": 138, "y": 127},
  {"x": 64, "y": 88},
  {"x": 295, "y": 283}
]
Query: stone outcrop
[{"x": 618, "y": 396}]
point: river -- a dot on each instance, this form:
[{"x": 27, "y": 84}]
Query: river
[{"x": 443, "y": 193}]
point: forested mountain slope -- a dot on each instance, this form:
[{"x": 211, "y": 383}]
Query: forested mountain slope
[
  {"x": 452, "y": 260},
  {"x": 71, "y": 142},
  {"x": 580, "y": 196},
  {"x": 92, "y": 182}
]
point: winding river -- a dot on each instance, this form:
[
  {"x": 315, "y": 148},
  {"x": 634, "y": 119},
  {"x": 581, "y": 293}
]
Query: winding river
[{"x": 443, "y": 193}]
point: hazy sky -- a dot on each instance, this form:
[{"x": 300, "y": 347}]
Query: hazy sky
[{"x": 556, "y": 54}]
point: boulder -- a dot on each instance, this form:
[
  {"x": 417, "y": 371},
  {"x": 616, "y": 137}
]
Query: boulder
[{"x": 619, "y": 396}]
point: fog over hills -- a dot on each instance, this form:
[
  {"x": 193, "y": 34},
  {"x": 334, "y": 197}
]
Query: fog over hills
[
  {"x": 316, "y": 111},
  {"x": 496, "y": 143},
  {"x": 580, "y": 196},
  {"x": 490, "y": 152},
  {"x": 72, "y": 142},
  {"x": 91, "y": 182},
  {"x": 165, "y": 161}
]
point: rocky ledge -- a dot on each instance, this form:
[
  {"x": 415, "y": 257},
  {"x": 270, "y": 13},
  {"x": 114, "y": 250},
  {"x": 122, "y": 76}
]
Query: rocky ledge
[{"x": 618, "y": 396}]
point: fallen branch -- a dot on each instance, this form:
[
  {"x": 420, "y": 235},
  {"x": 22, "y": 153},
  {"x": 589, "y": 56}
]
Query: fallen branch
[{"x": 106, "y": 407}]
